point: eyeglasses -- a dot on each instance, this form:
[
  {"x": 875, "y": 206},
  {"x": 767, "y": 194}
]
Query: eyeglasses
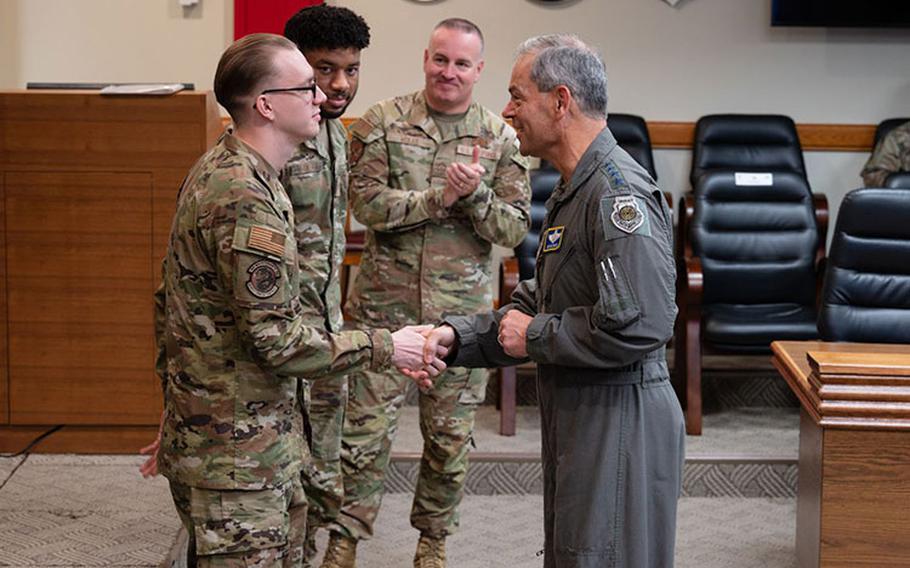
[{"x": 311, "y": 88}]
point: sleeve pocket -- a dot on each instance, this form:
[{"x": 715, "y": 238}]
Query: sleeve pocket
[{"x": 617, "y": 306}]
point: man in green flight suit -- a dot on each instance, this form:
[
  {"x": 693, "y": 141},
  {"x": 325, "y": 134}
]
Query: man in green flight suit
[
  {"x": 437, "y": 179},
  {"x": 316, "y": 180}
]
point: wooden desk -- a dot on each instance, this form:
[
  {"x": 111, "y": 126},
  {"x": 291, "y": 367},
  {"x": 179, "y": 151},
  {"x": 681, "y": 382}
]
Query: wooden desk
[{"x": 854, "y": 452}]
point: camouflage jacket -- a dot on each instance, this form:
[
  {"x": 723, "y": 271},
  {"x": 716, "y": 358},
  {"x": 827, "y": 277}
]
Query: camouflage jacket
[
  {"x": 233, "y": 330},
  {"x": 891, "y": 155},
  {"x": 316, "y": 181},
  {"x": 421, "y": 260}
]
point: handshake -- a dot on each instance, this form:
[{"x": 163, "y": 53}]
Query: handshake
[{"x": 420, "y": 350}]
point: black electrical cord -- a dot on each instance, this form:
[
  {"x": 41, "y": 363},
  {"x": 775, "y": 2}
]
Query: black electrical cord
[{"x": 33, "y": 443}]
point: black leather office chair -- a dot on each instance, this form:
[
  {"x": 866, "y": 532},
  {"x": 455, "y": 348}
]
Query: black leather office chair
[
  {"x": 898, "y": 180},
  {"x": 750, "y": 246},
  {"x": 866, "y": 295},
  {"x": 631, "y": 133}
]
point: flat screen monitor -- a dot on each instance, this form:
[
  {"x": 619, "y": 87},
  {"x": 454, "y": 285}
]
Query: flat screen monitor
[{"x": 841, "y": 13}]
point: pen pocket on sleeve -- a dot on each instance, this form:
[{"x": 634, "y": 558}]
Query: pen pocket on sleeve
[{"x": 617, "y": 305}]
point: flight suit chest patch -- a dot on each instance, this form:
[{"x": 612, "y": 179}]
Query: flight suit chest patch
[
  {"x": 624, "y": 215},
  {"x": 552, "y": 239}
]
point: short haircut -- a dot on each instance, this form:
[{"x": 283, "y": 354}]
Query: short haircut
[
  {"x": 327, "y": 27},
  {"x": 461, "y": 24},
  {"x": 244, "y": 66},
  {"x": 563, "y": 59},
  {"x": 539, "y": 43}
]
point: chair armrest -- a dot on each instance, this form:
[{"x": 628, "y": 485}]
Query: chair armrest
[
  {"x": 508, "y": 279},
  {"x": 692, "y": 282},
  {"x": 820, "y": 202},
  {"x": 690, "y": 278}
]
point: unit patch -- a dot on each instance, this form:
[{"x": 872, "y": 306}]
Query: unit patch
[
  {"x": 552, "y": 239},
  {"x": 627, "y": 214},
  {"x": 624, "y": 215},
  {"x": 264, "y": 278}
]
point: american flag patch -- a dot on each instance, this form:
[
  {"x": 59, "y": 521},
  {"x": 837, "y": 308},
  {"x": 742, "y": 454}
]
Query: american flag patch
[{"x": 266, "y": 240}]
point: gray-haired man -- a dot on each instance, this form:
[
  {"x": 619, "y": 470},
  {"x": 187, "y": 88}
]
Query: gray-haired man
[{"x": 595, "y": 318}]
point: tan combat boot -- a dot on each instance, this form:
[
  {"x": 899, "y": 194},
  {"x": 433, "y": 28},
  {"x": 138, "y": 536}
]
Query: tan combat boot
[
  {"x": 431, "y": 552},
  {"x": 340, "y": 552}
]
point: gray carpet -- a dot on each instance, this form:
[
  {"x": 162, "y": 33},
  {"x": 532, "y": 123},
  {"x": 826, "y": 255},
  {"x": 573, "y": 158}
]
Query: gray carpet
[
  {"x": 766, "y": 432},
  {"x": 69, "y": 511}
]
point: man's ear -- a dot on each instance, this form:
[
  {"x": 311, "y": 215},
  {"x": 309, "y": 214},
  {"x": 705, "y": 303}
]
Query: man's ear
[
  {"x": 563, "y": 99},
  {"x": 264, "y": 107}
]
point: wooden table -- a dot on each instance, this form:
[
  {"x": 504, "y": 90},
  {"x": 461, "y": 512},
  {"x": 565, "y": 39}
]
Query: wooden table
[{"x": 853, "y": 508}]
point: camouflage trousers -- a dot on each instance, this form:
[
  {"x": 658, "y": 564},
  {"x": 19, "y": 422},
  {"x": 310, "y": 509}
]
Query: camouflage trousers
[
  {"x": 227, "y": 529},
  {"x": 371, "y": 423},
  {"x": 325, "y": 401}
]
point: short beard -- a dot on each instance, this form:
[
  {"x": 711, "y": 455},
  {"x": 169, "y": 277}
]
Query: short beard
[{"x": 333, "y": 115}]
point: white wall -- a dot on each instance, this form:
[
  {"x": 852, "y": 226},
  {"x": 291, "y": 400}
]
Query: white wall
[
  {"x": 665, "y": 63},
  {"x": 115, "y": 40}
]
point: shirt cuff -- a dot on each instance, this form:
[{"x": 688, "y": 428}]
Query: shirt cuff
[
  {"x": 536, "y": 340},
  {"x": 478, "y": 203},
  {"x": 435, "y": 200},
  {"x": 382, "y": 348}
]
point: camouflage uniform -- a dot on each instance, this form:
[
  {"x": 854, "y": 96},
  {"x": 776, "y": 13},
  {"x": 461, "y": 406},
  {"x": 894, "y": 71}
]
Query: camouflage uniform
[
  {"x": 316, "y": 181},
  {"x": 422, "y": 262},
  {"x": 234, "y": 337},
  {"x": 891, "y": 155}
]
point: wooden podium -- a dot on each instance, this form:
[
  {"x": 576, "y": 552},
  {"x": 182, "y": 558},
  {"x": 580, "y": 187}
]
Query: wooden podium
[
  {"x": 853, "y": 507},
  {"x": 87, "y": 191}
]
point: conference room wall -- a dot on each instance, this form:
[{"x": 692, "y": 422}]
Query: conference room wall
[{"x": 665, "y": 63}]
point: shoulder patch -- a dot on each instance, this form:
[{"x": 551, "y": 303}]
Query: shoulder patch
[
  {"x": 624, "y": 215},
  {"x": 266, "y": 240},
  {"x": 362, "y": 130},
  {"x": 264, "y": 278}
]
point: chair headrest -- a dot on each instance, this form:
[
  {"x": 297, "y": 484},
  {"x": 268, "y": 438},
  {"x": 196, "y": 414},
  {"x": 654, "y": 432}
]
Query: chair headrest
[
  {"x": 631, "y": 133},
  {"x": 746, "y": 142}
]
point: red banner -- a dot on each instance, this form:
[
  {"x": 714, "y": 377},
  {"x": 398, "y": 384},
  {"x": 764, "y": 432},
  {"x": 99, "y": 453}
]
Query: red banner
[{"x": 252, "y": 16}]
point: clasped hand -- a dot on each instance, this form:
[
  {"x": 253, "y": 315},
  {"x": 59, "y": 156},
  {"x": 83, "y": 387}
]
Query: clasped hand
[
  {"x": 463, "y": 179},
  {"x": 412, "y": 357}
]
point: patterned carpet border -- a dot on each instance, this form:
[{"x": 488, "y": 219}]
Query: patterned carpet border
[{"x": 758, "y": 480}]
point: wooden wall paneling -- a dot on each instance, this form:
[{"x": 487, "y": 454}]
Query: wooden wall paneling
[
  {"x": 4, "y": 375},
  {"x": 866, "y": 488},
  {"x": 79, "y": 250},
  {"x": 78, "y": 439}
]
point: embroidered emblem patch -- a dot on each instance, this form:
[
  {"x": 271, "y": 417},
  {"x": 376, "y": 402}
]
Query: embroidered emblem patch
[
  {"x": 264, "y": 278},
  {"x": 627, "y": 215},
  {"x": 552, "y": 239}
]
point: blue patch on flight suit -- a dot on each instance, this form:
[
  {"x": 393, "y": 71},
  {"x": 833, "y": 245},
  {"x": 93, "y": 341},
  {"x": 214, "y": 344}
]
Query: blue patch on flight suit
[{"x": 552, "y": 239}]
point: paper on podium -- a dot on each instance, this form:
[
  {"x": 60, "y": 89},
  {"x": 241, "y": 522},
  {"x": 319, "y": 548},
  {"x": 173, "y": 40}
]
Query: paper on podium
[{"x": 143, "y": 89}]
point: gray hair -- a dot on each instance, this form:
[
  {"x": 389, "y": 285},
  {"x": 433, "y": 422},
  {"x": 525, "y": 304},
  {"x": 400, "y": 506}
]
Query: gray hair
[
  {"x": 539, "y": 43},
  {"x": 564, "y": 59}
]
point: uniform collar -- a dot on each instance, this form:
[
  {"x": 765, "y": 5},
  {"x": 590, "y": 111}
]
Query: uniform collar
[
  {"x": 596, "y": 154},
  {"x": 316, "y": 144},
  {"x": 419, "y": 115},
  {"x": 241, "y": 148}
]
